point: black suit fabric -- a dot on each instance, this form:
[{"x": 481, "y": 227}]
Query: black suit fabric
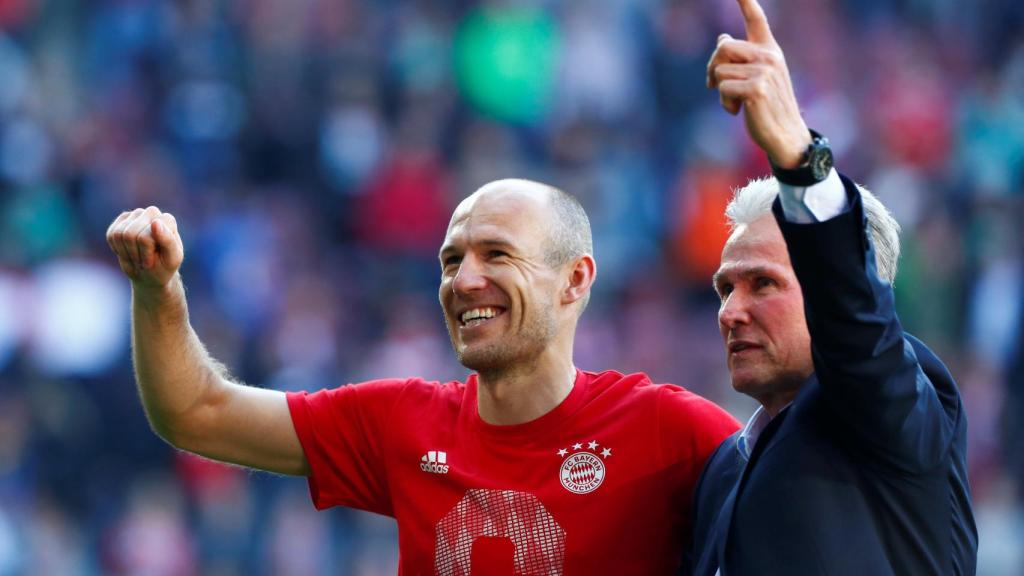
[{"x": 865, "y": 473}]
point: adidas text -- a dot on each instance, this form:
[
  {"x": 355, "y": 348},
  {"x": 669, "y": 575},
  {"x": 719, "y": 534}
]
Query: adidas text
[
  {"x": 434, "y": 468},
  {"x": 435, "y": 462}
]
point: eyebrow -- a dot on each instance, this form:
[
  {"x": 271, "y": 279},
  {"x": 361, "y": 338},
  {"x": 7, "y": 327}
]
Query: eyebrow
[
  {"x": 488, "y": 242},
  {"x": 743, "y": 273}
]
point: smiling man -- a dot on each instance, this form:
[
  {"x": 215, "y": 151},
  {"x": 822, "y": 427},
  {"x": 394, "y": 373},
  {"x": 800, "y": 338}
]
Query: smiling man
[
  {"x": 856, "y": 462},
  {"x": 530, "y": 466}
]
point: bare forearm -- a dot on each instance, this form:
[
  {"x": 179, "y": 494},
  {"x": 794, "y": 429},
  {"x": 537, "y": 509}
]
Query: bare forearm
[{"x": 175, "y": 375}]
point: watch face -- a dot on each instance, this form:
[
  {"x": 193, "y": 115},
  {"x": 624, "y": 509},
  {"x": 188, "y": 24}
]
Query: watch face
[{"x": 820, "y": 161}]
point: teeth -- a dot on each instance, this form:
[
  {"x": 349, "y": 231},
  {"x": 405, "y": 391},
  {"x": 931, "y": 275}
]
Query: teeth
[{"x": 478, "y": 313}]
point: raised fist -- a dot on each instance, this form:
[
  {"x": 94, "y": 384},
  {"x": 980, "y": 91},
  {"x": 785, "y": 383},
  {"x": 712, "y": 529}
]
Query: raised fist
[{"x": 147, "y": 245}]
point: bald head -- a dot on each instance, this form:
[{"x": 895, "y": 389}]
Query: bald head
[{"x": 567, "y": 227}]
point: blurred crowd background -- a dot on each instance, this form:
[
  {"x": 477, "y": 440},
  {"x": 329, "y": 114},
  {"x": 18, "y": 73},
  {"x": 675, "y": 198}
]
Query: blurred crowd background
[{"x": 312, "y": 151}]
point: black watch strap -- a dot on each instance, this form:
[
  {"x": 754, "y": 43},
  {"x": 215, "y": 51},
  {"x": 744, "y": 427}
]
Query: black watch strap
[{"x": 816, "y": 165}]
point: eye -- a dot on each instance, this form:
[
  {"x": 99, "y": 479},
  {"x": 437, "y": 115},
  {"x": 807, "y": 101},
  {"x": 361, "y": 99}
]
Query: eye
[
  {"x": 764, "y": 282},
  {"x": 496, "y": 254},
  {"x": 452, "y": 260},
  {"x": 723, "y": 290}
]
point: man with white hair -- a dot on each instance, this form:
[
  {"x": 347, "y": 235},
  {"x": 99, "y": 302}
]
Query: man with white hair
[{"x": 855, "y": 462}]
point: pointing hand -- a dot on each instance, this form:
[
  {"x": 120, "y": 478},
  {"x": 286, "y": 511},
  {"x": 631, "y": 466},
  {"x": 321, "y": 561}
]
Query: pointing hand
[{"x": 751, "y": 75}]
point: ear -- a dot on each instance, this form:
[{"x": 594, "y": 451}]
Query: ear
[{"x": 582, "y": 273}]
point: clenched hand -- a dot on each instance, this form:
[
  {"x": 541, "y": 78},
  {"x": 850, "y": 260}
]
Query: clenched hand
[{"x": 147, "y": 245}]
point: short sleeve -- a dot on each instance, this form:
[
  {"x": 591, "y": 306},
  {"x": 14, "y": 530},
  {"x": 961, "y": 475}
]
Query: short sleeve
[
  {"x": 691, "y": 428},
  {"x": 343, "y": 432}
]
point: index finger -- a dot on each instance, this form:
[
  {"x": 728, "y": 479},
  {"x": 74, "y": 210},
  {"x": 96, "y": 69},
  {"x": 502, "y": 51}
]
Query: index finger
[{"x": 755, "y": 22}]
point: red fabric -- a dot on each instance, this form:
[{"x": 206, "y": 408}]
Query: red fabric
[{"x": 504, "y": 484}]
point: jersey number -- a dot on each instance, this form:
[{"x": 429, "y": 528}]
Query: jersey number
[{"x": 483, "y": 516}]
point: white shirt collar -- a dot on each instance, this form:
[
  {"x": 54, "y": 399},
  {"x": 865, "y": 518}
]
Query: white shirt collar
[{"x": 752, "y": 431}]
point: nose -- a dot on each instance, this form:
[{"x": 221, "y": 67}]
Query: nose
[
  {"x": 470, "y": 276},
  {"x": 735, "y": 311}
]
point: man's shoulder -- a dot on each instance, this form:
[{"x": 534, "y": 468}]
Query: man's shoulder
[
  {"x": 930, "y": 362},
  {"x": 669, "y": 402},
  {"x": 394, "y": 392},
  {"x": 620, "y": 387},
  {"x": 416, "y": 387},
  {"x": 634, "y": 383},
  {"x": 937, "y": 373},
  {"x": 723, "y": 466},
  {"x": 605, "y": 379},
  {"x": 728, "y": 454}
]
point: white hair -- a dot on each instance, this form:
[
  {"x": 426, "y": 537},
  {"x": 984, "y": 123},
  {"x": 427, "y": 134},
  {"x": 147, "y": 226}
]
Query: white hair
[{"x": 755, "y": 200}]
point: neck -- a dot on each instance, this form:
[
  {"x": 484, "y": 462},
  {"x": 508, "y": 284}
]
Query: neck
[
  {"x": 517, "y": 395},
  {"x": 777, "y": 402}
]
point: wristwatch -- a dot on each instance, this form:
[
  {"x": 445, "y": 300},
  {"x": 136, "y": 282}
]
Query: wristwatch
[{"x": 816, "y": 165}]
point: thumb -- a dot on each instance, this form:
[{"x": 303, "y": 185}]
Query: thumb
[
  {"x": 168, "y": 244},
  {"x": 161, "y": 234}
]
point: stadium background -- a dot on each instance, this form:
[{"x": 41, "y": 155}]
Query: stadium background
[{"x": 312, "y": 151}]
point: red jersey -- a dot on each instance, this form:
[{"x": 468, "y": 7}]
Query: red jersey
[{"x": 602, "y": 484}]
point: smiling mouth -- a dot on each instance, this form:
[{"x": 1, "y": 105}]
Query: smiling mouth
[{"x": 478, "y": 316}]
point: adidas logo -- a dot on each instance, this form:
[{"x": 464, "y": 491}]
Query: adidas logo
[{"x": 434, "y": 462}]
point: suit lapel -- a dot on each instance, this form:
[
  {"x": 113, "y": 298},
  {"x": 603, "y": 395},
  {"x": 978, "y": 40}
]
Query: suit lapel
[
  {"x": 724, "y": 522},
  {"x": 770, "y": 437},
  {"x": 780, "y": 426}
]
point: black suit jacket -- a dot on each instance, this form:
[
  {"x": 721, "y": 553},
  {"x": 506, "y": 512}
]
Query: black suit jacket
[{"x": 865, "y": 473}]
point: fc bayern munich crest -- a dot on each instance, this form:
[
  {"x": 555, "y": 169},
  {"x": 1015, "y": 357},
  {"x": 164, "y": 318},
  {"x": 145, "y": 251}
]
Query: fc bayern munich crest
[{"x": 583, "y": 471}]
